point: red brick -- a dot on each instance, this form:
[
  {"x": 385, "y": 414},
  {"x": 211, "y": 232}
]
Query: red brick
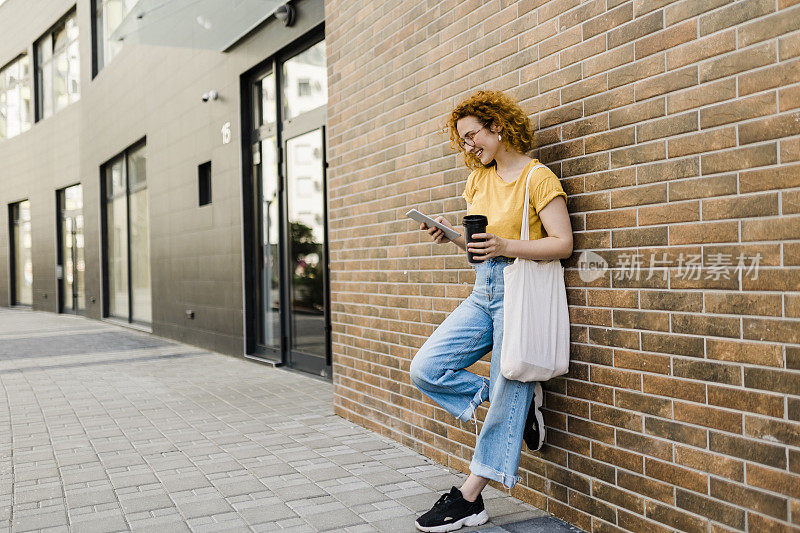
[
  {"x": 704, "y": 94},
  {"x": 782, "y": 177},
  {"x": 773, "y": 480},
  {"x": 669, "y": 38},
  {"x": 644, "y": 68},
  {"x": 639, "y": 195},
  {"x": 734, "y": 14},
  {"x": 611, "y": 19},
  {"x": 685, "y": 9},
  {"x": 789, "y": 98},
  {"x": 772, "y": 330},
  {"x": 779, "y": 75},
  {"x": 646, "y": 486},
  {"x": 789, "y": 46},
  {"x": 751, "y": 499},
  {"x": 769, "y": 128},
  {"x": 705, "y": 141},
  {"x": 672, "y": 300},
  {"x": 618, "y": 497},
  {"x": 667, "y": 127},
  {"x": 780, "y": 23},
  {"x": 608, "y": 100},
  {"x": 744, "y": 400},
  {"x": 694, "y": 52},
  {"x": 672, "y": 344},
  {"x": 790, "y": 150},
  {"x": 773, "y": 430},
  {"x": 703, "y": 415},
  {"x": 736, "y": 62},
  {"x": 740, "y": 158},
  {"x": 674, "y": 518},
  {"x": 639, "y": 27},
  {"x": 780, "y": 228},
  {"x": 702, "y": 187},
  {"x": 560, "y": 78},
  {"x": 738, "y": 110},
  {"x": 719, "y": 465},
  {"x": 632, "y": 522},
  {"x": 587, "y": 49},
  {"x": 704, "y": 233},
  {"x": 666, "y": 83},
  {"x": 741, "y": 207},
  {"x": 711, "y": 509},
  {"x": 637, "y": 237},
  {"x": 674, "y": 388},
  {"x": 669, "y": 213},
  {"x": 743, "y": 304},
  {"x": 610, "y": 139},
  {"x": 641, "y": 153},
  {"x": 747, "y": 449}
]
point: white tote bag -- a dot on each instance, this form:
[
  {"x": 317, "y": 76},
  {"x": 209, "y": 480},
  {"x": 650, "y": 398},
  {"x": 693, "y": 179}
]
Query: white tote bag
[{"x": 536, "y": 320}]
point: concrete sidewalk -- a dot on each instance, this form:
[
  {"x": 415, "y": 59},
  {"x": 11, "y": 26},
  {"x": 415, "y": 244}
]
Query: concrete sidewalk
[{"x": 103, "y": 428}]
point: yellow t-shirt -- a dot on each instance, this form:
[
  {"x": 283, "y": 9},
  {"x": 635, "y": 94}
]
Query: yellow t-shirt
[{"x": 488, "y": 194}]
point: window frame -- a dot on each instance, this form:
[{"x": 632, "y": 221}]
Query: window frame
[
  {"x": 38, "y": 100},
  {"x": 124, "y": 157},
  {"x": 19, "y": 57}
]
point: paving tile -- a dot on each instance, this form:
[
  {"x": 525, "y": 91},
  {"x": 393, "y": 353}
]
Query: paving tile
[
  {"x": 206, "y": 507},
  {"x": 338, "y": 519},
  {"x": 204, "y": 443}
]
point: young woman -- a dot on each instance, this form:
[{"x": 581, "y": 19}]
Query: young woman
[{"x": 494, "y": 134}]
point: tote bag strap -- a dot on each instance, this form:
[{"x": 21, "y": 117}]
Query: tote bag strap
[{"x": 524, "y": 233}]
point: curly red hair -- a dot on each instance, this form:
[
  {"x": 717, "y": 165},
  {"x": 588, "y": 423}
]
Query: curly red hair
[{"x": 492, "y": 108}]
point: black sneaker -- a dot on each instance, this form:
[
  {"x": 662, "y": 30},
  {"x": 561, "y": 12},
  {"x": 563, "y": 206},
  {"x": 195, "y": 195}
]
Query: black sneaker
[
  {"x": 534, "y": 424},
  {"x": 451, "y": 512}
]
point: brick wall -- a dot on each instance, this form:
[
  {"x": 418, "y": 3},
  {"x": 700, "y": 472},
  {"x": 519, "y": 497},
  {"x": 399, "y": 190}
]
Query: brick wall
[{"x": 674, "y": 129}]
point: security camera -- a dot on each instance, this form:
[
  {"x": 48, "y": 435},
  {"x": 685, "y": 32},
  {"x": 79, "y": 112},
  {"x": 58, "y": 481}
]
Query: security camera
[{"x": 210, "y": 95}]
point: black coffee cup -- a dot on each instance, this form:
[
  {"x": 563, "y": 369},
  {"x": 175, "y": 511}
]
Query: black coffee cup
[{"x": 474, "y": 224}]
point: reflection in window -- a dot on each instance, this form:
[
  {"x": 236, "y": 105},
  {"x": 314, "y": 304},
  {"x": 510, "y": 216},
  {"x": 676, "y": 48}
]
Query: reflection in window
[
  {"x": 307, "y": 237},
  {"x": 128, "y": 228},
  {"x": 108, "y": 16},
  {"x": 305, "y": 81},
  {"x": 267, "y": 85},
  {"x": 58, "y": 68},
  {"x": 15, "y": 98},
  {"x": 23, "y": 258}
]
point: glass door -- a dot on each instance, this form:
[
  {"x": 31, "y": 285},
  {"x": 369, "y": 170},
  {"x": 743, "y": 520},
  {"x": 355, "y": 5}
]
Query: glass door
[
  {"x": 307, "y": 239},
  {"x": 286, "y": 272},
  {"x": 71, "y": 252},
  {"x": 21, "y": 256}
]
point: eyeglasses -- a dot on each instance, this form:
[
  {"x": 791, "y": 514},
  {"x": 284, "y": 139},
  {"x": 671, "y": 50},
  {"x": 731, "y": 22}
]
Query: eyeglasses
[{"x": 468, "y": 139}]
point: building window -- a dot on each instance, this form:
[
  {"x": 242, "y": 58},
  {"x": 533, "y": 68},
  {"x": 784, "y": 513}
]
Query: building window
[
  {"x": 58, "y": 68},
  {"x": 15, "y": 97},
  {"x": 108, "y": 15},
  {"x": 204, "y": 183},
  {"x": 21, "y": 257},
  {"x": 126, "y": 231}
]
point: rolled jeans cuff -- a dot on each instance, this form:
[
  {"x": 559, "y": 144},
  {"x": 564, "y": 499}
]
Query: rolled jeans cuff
[
  {"x": 481, "y": 396},
  {"x": 484, "y": 471}
]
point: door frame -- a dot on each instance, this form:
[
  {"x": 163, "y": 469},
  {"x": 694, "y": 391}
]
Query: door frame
[
  {"x": 59, "y": 251},
  {"x": 250, "y": 134}
]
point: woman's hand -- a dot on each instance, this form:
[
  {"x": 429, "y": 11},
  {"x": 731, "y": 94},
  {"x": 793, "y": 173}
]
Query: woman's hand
[
  {"x": 436, "y": 234},
  {"x": 492, "y": 246}
]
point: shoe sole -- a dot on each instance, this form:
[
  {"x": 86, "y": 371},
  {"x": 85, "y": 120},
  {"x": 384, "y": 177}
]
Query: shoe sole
[
  {"x": 472, "y": 520},
  {"x": 538, "y": 399}
]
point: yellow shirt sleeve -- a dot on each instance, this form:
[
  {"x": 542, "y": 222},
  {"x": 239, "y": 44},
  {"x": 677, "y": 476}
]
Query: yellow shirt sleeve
[
  {"x": 546, "y": 188},
  {"x": 469, "y": 189}
]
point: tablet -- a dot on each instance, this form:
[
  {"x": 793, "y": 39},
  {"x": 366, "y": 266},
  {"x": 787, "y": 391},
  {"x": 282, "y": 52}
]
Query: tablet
[{"x": 428, "y": 221}]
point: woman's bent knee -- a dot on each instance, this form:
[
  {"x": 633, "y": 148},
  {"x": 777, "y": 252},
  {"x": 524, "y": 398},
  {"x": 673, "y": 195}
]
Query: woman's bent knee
[{"x": 419, "y": 371}]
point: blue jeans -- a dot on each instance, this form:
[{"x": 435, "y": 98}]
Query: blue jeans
[{"x": 438, "y": 370}]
